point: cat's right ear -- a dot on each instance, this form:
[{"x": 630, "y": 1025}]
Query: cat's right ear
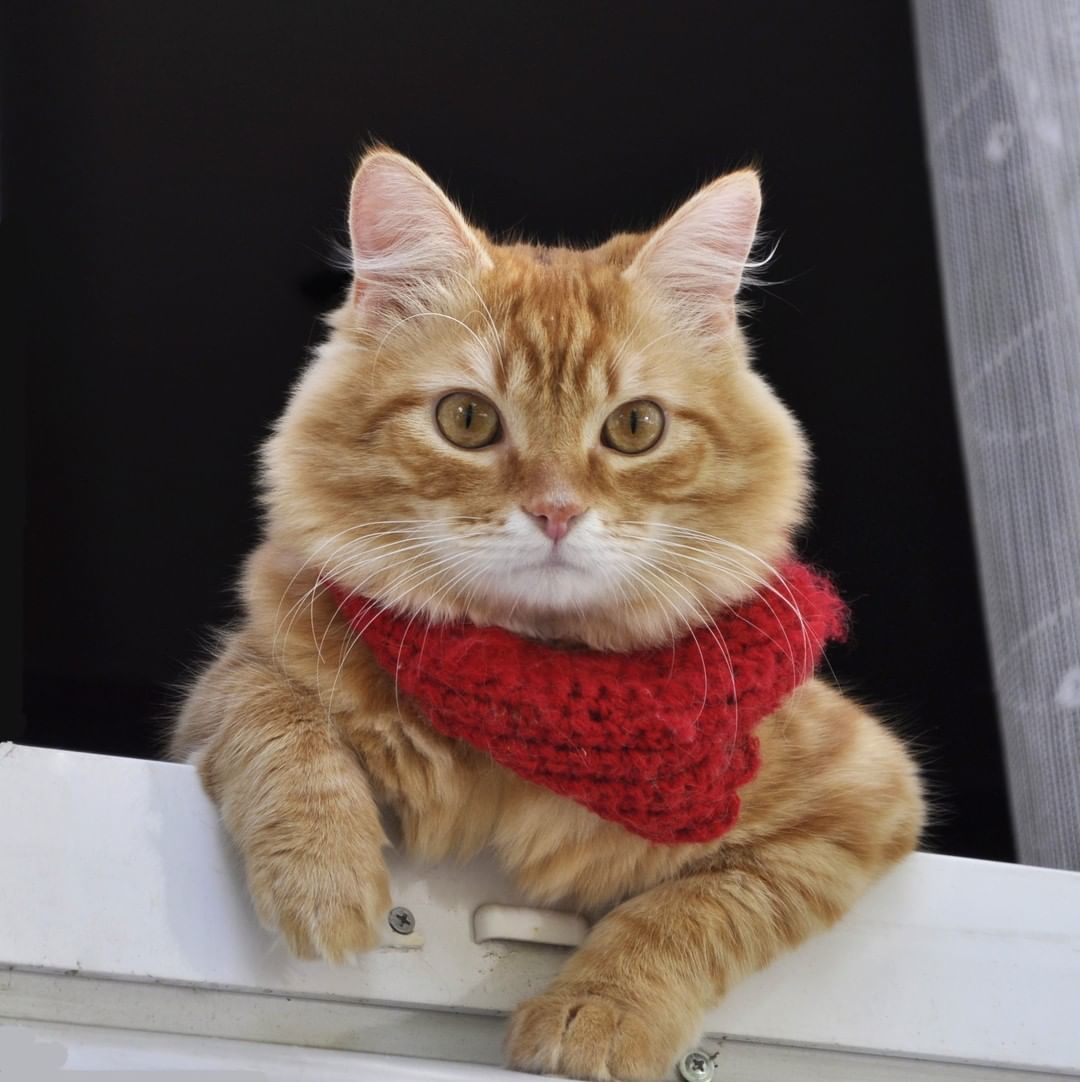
[{"x": 409, "y": 241}]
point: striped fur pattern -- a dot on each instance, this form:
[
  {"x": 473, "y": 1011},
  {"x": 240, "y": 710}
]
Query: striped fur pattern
[{"x": 304, "y": 742}]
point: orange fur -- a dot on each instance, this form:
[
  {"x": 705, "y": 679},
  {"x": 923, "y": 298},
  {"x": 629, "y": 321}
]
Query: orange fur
[{"x": 301, "y": 739}]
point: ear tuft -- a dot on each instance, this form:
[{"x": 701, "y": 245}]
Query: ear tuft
[
  {"x": 407, "y": 237},
  {"x": 696, "y": 260}
]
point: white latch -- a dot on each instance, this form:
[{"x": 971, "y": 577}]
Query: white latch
[{"x": 520, "y": 924}]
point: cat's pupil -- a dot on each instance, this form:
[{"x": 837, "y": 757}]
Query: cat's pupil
[
  {"x": 469, "y": 415},
  {"x": 633, "y": 422}
]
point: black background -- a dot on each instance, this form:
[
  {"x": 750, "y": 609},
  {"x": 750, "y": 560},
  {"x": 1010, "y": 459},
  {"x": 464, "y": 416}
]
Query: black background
[{"x": 175, "y": 176}]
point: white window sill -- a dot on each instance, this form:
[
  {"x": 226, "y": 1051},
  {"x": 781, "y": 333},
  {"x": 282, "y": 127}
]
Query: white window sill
[{"x": 122, "y": 908}]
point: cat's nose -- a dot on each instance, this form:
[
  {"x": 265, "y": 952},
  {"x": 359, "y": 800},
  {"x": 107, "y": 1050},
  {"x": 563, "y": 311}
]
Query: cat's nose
[{"x": 555, "y": 519}]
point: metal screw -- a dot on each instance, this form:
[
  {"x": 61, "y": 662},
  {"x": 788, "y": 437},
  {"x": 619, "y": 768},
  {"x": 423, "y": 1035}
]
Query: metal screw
[
  {"x": 697, "y": 1066},
  {"x": 401, "y": 920}
]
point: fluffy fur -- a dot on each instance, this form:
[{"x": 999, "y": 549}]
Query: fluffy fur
[{"x": 301, "y": 738}]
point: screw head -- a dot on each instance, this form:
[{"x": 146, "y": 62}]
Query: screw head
[
  {"x": 697, "y": 1066},
  {"x": 402, "y": 920}
]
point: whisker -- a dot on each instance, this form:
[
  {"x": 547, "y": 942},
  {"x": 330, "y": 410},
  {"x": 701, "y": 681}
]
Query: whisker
[
  {"x": 358, "y": 562},
  {"x": 413, "y": 524},
  {"x": 469, "y": 570},
  {"x": 380, "y": 608},
  {"x": 340, "y": 568},
  {"x": 789, "y": 600},
  {"x": 736, "y": 571},
  {"x": 651, "y": 566}
]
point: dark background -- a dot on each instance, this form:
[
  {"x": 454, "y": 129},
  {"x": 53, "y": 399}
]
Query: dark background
[{"x": 175, "y": 175}]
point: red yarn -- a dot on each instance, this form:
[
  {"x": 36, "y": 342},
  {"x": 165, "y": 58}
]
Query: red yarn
[{"x": 645, "y": 738}]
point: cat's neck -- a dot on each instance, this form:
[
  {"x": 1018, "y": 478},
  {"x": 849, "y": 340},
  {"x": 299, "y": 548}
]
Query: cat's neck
[{"x": 615, "y": 628}]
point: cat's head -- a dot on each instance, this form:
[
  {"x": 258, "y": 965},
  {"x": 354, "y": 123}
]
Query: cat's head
[{"x": 567, "y": 443}]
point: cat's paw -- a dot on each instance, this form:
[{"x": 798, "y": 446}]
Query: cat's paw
[
  {"x": 583, "y": 1034},
  {"x": 324, "y": 904}
]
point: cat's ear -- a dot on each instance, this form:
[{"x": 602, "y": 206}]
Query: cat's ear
[
  {"x": 695, "y": 262},
  {"x": 408, "y": 240}
]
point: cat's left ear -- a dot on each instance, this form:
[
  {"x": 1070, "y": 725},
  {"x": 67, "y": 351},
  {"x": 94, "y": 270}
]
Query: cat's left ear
[{"x": 694, "y": 263}]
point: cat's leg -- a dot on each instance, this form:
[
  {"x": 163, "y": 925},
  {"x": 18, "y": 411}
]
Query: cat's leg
[
  {"x": 633, "y": 996},
  {"x": 296, "y": 801}
]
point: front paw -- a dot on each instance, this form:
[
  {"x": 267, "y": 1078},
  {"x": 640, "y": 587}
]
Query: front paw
[
  {"x": 325, "y": 903},
  {"x": 584, "y": 1034}
]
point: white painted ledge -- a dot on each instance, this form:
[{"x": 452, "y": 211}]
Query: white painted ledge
[{"x": 122, "y": 907}]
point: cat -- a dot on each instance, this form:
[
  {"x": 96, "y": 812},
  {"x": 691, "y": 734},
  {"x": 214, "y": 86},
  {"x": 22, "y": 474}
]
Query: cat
[{"x": 475, "y": 409}]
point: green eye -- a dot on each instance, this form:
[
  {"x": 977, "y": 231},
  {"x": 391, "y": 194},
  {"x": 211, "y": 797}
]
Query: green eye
[
  {"x": 634, "y": 427},
  {"x": 467, "y": 420}
]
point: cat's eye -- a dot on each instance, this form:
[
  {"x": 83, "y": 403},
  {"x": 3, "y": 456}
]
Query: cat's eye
[
  {"x": 634, "y": 427},
  {"x": 468, "y": 420}
]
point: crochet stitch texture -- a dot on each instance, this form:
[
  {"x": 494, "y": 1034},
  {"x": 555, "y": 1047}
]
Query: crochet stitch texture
[{"x": 658, "y": 740}]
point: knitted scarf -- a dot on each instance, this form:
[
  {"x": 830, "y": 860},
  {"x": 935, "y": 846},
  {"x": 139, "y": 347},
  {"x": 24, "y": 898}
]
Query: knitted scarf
[{"x": 659, "y": 740}]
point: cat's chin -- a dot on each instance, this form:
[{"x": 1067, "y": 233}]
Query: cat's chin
[
  {"x": 570, "y": 606},
  {"x": 553, "y": 585}
]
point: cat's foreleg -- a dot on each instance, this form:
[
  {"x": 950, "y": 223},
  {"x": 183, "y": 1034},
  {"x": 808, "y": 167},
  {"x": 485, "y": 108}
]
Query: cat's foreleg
[
  {"x": 634, "y": 995},
  {"x": 298, "y": 805}
]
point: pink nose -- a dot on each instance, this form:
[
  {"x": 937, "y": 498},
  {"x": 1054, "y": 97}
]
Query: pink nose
[{"x": 555, "y": 519}]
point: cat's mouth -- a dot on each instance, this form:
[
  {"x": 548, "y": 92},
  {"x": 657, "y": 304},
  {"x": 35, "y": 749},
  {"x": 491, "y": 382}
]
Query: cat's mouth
[{"x": 556, "y": 559}]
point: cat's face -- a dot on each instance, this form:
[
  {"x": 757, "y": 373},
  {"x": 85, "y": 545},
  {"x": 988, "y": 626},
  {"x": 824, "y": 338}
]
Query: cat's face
[{"x": 566, "y": 443}]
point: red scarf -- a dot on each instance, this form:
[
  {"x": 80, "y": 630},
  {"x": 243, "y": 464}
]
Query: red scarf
[{"x": 643, "y": 738}]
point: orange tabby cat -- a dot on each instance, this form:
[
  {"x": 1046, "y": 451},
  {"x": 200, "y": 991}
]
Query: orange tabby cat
[{"x": 455, "y": 511}]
